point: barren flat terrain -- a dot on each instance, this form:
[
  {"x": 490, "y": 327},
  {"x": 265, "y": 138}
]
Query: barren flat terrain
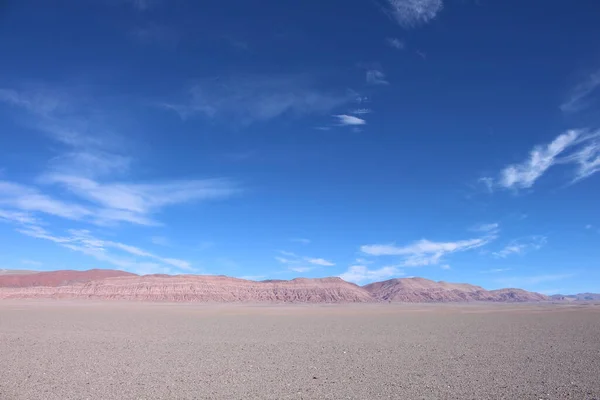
[{"x": 113, "y": 350}]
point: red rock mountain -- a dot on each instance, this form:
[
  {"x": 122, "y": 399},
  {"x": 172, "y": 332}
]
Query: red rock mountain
[
  {"x": 120, "y": 285},
  {"x": 58, "y": 278},
  {"x": 198, "y": 288},
  {"x": 419, "y": 290}
]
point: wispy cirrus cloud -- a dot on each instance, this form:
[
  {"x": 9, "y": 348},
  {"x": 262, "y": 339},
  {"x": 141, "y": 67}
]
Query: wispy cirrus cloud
[
  {"x": 83, "y": 241},
  {"x": 580, "y": 96},
  {"x": 249, "y": 99},
  {"x": 492, "y": 227},
  {"x": 522, "y": 246},
  {"x": 412, "y": 13},
  {"x": 319, "y": 261},
  {"x": 361, "y": 274},
  {"x": 376, "y": 77},
  {"x": 495, "y": 270},
  {"x": 349, "y": 120},
  {"x": 297, "y": 263},
  {"x": 425, "y": 252},
  {"x": 17, "y": 216},
  {"x": 89, "y": 165},
  {"x": 301, "y": 269},
  {"x": 106, "y": 203},
  {"x": 575, "y": 147},
  {"x": 396, "y": 43},
  {"x": 142, "y": 199}
]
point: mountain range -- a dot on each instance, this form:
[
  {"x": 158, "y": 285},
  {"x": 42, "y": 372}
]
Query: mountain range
[{"x": 103, "y": 284}]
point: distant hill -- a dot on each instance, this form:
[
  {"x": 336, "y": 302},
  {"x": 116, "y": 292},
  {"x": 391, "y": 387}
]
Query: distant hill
[
  {"x": 420, "y": 290},
  {"x": 16, "y": 271},
  {"x": 114, "y": 284},
  {"x": 576, "y": 297}
]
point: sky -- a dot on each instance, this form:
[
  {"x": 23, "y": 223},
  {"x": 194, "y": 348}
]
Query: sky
[{"x": 455, "y": 140}]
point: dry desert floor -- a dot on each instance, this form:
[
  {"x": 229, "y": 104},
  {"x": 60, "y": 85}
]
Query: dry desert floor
[{"x": 88, "y": 350}]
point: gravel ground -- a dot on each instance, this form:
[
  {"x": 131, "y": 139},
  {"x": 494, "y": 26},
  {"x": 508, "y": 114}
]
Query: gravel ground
[{"x": 84, "y": 350}]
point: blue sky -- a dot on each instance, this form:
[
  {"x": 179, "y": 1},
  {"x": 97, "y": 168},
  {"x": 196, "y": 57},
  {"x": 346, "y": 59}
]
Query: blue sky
[{"x": 456, "y": 140}]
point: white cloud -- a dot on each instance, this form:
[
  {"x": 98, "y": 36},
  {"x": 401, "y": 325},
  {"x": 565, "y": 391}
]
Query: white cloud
[
  {"x": 142, "y": 199},
  {"x": 411, "y": 13},
  {"x": 29, "y": 199},
  {"x": 522, "y": 246},
  {"x": 423, "y": 246},
  {"x": 300, "y": 269},
  {"x": 84, "y": 242},
  {"x": 17, "y": 216},
  {"x": 541, "y": 158},
  {"x": 376, "y": 77},
  {"x": 284, "y": 260},
  {"x": 579, "y": 96},
  {"x": 445, "y": 267},
  {"x": 350, "y": 120},
  {"x": 588, "y": 160},
  {"x": 319, "y": 261},
  {"x": 425, "y": 252},
  {"x": 486, "y": 227},
  {"x": 396, "y": 43},
  {"x": 114, "y": 202},
  {"x": 39, "y": 103},
  {"x": 577, "y": 147},
  {"x": 249, "y": 99},
  {"x": 360, "y": 274}
]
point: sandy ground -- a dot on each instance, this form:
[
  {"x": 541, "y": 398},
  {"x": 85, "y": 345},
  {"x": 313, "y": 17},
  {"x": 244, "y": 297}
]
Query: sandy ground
[{"x": 83, "y": 350}]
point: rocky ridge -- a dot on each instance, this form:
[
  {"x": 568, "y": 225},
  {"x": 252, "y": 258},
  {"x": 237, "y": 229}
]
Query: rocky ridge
[{"x": 120, "y": 285}]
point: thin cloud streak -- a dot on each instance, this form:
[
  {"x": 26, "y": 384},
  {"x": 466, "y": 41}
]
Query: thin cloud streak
[
  {"x": 319, "y": 261},
  {"x": 579, "y": 96},
  {"x": 250, "y": 99},
  {"x": 361, "y": 274},
  {"x": 376, "y": 77},
  {"x": 84, "y": 242},
  {"x": 522, "y": 246},
  {"x": 349, "y": 120},
  {"x": 580, "y": 148},
  {"x": 425, "y": 252}
]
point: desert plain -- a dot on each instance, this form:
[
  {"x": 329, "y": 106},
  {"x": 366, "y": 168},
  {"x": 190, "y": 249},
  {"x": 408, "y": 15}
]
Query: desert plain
[{"x": 74, "y": 349}]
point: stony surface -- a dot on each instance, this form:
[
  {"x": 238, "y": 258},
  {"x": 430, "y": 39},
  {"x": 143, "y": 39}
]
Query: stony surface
[
  {"x": 113, "y": 350},
  {"x": 419, "y": 290}
]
